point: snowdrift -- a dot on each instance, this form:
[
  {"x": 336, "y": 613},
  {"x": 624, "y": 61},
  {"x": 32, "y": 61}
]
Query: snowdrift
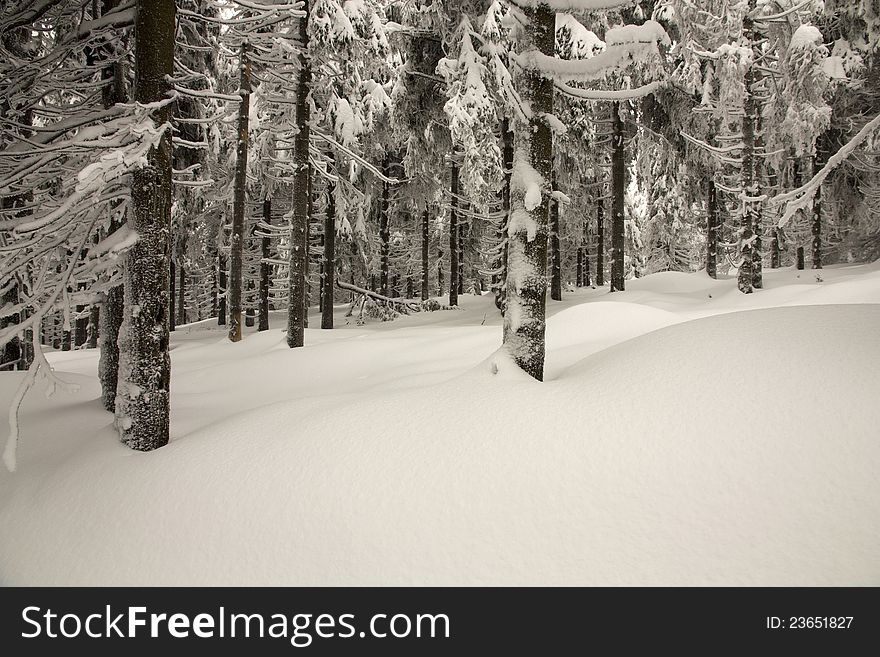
[{"x": 739, "y": 449}]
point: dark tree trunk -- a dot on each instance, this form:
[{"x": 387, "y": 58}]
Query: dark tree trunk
[
  {"x": 142, "y": 401},
  {"x": 110, "y": 314},
  {"x": 618, "y": 186},
  {"x": 822, "y": 149},
  {"x": 757, "y": 228},
  {"x": 800, "y": 257},
  {"x": 329, "y": 259},
  {"x": 453, "y": 235},
  {"x": 236, "y": 241},
  {"x": 712, "y": 229},
  {"x": 600, "y": 238},
  {"x": 108, "y": 364},
  {"x": 425, "y": 243},
  {"x": 221, "y": 293},
  {"x": 172, "y": 278},
  {"x": 525, "y": 319},
  {"x": 439, "y": 272},
  {"x": 296, "y": 300},
  {"x": 181, "y": 294},
  {"x": 93, "y": 330},
  {"x": 462, "y": 227},
  {"x": 555, "y": 252},
  {"x": 507, "y": 154},
  {"x": 264, "y": 269},
  {"x": 774, "y": 248},
  {"x": 746, "y": 275},
  {"x": 384, "y": 232}
]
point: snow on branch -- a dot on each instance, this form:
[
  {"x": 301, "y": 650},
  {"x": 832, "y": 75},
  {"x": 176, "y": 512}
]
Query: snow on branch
[
  {"x": 800, "y": 198},
  {"x": 626, "y": 45},
  {"x": 613, "y": 95},
  {"x": 573, "y": 5}
]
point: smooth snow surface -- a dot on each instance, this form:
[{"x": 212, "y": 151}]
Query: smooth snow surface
[{"x": 687, "y": 435}]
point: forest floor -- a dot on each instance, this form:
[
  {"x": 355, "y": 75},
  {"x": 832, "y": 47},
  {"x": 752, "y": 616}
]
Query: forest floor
[{"x": 686, "y": 435}]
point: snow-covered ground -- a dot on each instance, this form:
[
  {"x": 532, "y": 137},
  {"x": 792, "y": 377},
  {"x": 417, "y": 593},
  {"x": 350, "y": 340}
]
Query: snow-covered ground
[{"x": 686, "y": 435}]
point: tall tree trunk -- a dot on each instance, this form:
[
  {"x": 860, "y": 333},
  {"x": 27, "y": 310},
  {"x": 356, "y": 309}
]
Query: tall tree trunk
[
  {"x": 384, "y": 231},
  {"x": 453, "y": 235},
  {"x": 111, "y": 311},
  {"x": 618, "y": 186},
  {"x": 555, "y": 253},
  {"x": 221, "y": 292},
  {"x": 819, "y": 160},
  {"x": 462, "y": 227},
  {"x": 181, "y": 293},
  {"x": 236, "y": 241},
  {"x": 172, "y": 278},
  {"x": 142, "y": 400},
  {"x": 296, "y": 299},
  {"x": 507, "y": 155},
  {"x": 712, "y": 229},
  {"x": 757, "y": 227},
  {"x": 525, "y": 320},
  {"x": 329, "y": 258},
  {"x": 746, "y": 276},
  {"x": 439, "y": 271},
  {"x": 426, "y": 235},
  {"x": 263, "y": 324},
  {"x": 600, "y": 238}
]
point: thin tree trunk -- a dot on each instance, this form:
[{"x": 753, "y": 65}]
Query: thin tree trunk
[
  {"x": 142, "y": 400},
  {"x": 300, "y": 219},
  {"x": 600, "y": 238},
  {"x": 712, "y": 229},
  {"x": 745, "y": 277},
  {"x": 264, "y": 269},
  {"x": 172, "y": 278},
  {"x": 556, "y": 256},
  {"x": 816, "y": 226},
  {"x": 236, "y": 241},
  {"x": 507, "y": 154},
  {"x": 425, "y": 244},
  {"x": 618, "y": 185},
  {"x": 800, "y": 257},
  {"x": 221, "y": 283},
  {"x": 111, "y": 312},
  {"x": 453, "y": 235},
  {"x": 181, "y": 293},
  {"x": 384, "y": 231},
  {"x": 329, "y": 259},
  {"x": 525, "y": 320}
]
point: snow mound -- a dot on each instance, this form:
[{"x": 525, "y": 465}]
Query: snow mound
[{"x": 739, "y": 449}]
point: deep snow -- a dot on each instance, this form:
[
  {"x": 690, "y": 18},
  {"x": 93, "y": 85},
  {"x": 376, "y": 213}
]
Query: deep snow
[{"x": 687, "y": 434}]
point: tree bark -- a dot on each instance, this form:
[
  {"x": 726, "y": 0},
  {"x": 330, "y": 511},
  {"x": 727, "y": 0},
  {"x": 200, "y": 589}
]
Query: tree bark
[
  {"x": 181, "y": 293},
  {"x": 329, "y": 259},
  {"x": 712, "y": 229},
  {"x": 600, "y": 238},
  {"x": 746, "y": 275},
  {"x": 526, "y": 284},
  {"x": 507, "y": 155},
  {"x": 236, "y": 241},
  {"x": 142, "y": 400},
  {"x": 453, "y": 235},
  {"x": 263, "y": 324},
  {"x": 384, "y": 231},
  {"x": 556, "y": 256},
  {"x": 296, "y": 299},
  {"x": 172, "y": 278},
  {"x": 618, "y": 186},
  {"x": 426, "y": 235},
  {"x": 221, "y": 292}
]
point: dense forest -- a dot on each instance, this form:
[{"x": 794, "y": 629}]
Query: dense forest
[{"x": 163, "y": 163}]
